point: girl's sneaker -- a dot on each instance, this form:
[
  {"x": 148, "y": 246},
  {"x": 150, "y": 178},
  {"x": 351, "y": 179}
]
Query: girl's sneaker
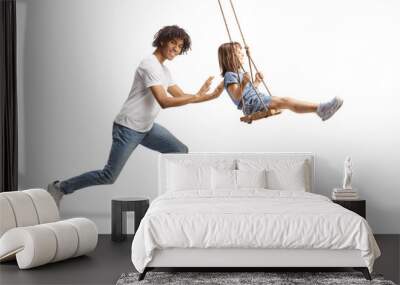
[{"x": 327, "y": 110}]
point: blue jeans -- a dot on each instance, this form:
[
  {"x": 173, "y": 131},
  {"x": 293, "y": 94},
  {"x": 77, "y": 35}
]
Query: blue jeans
[
  {"x": 254, "y": 104},
  {"x": 124, "y": 141}
]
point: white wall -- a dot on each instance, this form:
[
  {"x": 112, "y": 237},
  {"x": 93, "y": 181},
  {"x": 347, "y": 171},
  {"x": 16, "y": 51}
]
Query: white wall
[{"x": 77, "y": 58}]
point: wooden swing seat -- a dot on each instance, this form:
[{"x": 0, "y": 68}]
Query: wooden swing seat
[{"x": 260, "y": 115}]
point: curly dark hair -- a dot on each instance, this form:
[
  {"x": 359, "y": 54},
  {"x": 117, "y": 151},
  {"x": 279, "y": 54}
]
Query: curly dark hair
[{"x": 169, "y": 33}]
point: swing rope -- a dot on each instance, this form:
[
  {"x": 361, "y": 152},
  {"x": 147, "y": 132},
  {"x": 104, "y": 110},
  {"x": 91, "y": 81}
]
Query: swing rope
[
  {"x": 251, "y": 61},
  {"x": 241, "y": 66},
  {"x": 259, "y": 114},
  {"x": 232, "y": 50}
]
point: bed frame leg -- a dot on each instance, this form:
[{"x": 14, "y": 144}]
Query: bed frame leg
[
  {"x": 143, "y": 274},
  {"x": 364, "y": 271}
]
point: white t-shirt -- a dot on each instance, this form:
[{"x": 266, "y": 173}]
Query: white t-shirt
[{"x": 141, "y": 108}]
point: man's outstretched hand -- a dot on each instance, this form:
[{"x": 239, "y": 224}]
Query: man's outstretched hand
[
  {"x": 206, "y": 86},
  {"x": 202, "y": 94}
]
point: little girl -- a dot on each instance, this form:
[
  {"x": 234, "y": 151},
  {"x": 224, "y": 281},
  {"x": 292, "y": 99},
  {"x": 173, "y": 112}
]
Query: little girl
[{"x": 231, "y": 58}]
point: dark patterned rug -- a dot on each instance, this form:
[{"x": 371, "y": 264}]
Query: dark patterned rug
[{"x": 244, "y": 278}]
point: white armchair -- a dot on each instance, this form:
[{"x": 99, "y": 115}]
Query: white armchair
[{"x": 31, "y": 230}]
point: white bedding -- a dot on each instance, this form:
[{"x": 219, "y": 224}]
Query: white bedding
[{"x": 250, "y": 218}]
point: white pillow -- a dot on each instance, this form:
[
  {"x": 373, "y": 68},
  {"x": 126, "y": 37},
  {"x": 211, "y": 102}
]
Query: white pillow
[
  {"x": 186, "y": 160},
  {"x": 288, "y": 179},
  {"x": 251, "y": 178},
  {"x": 282, "y": 174},
  {"x": 223, "y": 179},
  {"x": 188, "y": 177}
]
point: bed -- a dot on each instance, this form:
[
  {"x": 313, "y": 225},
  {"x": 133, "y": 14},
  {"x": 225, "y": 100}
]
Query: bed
[{"x": 246, "y": 210}]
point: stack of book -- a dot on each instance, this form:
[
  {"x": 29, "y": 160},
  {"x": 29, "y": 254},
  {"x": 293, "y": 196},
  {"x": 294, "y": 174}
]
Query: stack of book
[{"x": 344, "y": 194}]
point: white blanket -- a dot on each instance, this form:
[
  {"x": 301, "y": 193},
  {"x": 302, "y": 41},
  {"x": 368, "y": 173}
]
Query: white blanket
[{"x": 250, "y": 218}]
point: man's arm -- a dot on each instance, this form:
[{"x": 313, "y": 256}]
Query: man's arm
[
  {"x": 180, "y": 98},
  {"x": 177, "y": 92},
  {"x": 166, "y": 101}
]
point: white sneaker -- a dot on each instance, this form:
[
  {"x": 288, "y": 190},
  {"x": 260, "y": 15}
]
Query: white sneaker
[
  {"x": 327, "y": 110},
  {"x": 55, "y": 192}
]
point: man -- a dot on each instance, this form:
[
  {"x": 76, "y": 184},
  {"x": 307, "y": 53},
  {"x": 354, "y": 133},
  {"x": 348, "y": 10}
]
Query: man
[{"x": 134, "y": 124}]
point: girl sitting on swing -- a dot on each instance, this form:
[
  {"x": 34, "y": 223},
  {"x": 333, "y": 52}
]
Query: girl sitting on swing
[{"x": 231, "y": 59}]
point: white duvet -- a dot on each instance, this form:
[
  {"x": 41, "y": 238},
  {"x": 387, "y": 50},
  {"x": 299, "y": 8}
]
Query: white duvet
[{"x": 250, "y": 218}]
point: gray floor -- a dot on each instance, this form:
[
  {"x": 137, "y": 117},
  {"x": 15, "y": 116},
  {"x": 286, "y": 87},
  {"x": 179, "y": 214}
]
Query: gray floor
[
  {"x": 110, "y": 260},
  {"x": 102, "y": 266}
]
